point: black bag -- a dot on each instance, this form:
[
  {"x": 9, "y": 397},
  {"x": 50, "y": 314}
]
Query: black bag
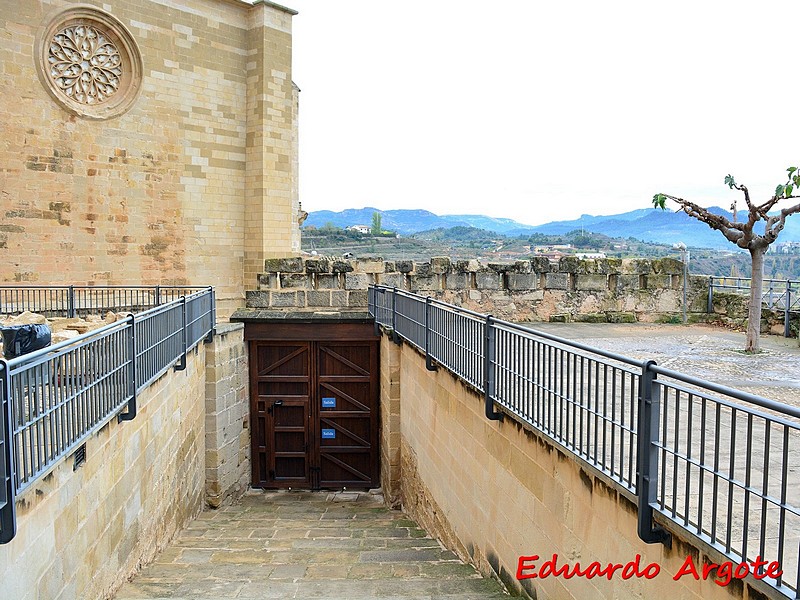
[{"x": 22, "y": 339}]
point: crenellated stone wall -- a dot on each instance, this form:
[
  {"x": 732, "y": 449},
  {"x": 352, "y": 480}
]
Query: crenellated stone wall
[{"x": 604, "y": 290}]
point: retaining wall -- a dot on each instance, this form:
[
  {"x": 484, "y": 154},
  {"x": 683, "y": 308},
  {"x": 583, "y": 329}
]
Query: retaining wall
[
  {"x": 83, "y": 532},
  {"x": 495, "y": 491}
]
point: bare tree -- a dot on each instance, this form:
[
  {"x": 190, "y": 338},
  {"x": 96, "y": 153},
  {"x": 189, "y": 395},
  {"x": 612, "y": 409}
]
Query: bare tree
[{"x": 743, "y": 235}]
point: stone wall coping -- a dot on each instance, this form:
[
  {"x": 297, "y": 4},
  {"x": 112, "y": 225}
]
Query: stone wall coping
[
  {"x": 225, "y": 328},
  {"x": 245, "y": 315},
  {"x": 274, "y": 5}
]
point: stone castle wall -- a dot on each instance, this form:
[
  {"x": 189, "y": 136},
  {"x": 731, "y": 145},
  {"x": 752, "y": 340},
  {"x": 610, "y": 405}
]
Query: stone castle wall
[
  {"x": 525, "y": 290},
  {"x": 194, "y": 184}
]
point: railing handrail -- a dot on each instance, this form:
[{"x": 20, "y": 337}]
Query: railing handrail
[
  {"x": 537, "y": 380},
  {"x": 93, "y": 377}
]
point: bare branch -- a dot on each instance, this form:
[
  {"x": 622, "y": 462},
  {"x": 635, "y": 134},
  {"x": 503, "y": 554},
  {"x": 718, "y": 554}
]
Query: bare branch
[
  {"x": 776, "y": 223},
  {"x": 733, "y": 232}
]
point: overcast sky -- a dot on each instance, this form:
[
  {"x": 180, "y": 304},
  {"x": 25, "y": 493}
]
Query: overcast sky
[{"x": 542, "y": 111}]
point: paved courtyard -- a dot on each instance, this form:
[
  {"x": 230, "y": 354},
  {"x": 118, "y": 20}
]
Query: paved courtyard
[
  {"x": 308, "y": 545},
  {"x": 704, "y": 351}
]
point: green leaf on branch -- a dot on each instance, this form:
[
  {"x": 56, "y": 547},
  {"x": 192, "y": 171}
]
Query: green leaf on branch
[
  {"x": 791, "y": 169},
  {"x": 660, "y": 201},
  {"x": 787, "y": 191},
  {"x": 779, "y": 190},
  {"x": 730, "y": 182}
]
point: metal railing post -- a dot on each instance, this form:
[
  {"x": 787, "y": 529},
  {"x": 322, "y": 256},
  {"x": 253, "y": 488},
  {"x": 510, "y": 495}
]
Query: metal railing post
[
  {"x": 428, "y": 360},
  {"x": 130, "y": 414},
  {"x": 71, "y": 301},
  {"x": 8, "y": 477},
  {"x": 647, "y": 458},
  {"x": 158, "y": 295},
  {"x": 395, "y": 335},
  {"x": 212, "y": 330},
  {"x": 710, "y": 304},
  {"x": 786, "y": 317},
  {"x": 489, "y": 340},
  {"x": 181, "y": 365}
]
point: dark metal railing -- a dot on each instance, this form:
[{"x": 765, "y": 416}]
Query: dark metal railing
[
  {"x": 714, "y": 461},
  {"x": 78, "y": 301},
  {"x": 53, "y": 399},
  {"x": 777, "y": 294}
]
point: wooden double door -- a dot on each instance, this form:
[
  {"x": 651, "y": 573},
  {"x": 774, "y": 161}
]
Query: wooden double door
[{"x": 314, "y": 411}]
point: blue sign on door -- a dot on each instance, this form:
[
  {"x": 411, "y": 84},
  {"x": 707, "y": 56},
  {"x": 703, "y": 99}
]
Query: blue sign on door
[
  {"x": 329, "y": 403},
  {"x": 328, "y": 434}
]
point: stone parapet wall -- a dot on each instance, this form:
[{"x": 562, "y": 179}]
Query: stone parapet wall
[{"x": 524, "y": 290}]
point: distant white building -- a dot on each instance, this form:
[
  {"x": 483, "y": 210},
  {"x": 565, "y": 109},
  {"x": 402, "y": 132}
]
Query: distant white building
[
  {"x": 360, "y": 228},
  {"x": 585, "y": 255}
]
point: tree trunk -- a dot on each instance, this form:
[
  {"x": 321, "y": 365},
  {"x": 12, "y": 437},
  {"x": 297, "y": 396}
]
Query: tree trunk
[{"x": 754, "y": 312}]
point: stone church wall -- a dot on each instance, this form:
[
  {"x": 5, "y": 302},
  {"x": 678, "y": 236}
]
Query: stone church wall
[{"x": 194, "y": 184}]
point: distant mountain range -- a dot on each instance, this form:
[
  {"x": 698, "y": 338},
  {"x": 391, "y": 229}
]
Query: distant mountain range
[{"x": 647, "y": 224}]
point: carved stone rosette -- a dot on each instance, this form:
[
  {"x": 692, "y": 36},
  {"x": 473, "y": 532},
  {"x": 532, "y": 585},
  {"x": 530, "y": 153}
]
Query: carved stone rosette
[{"x": 89, "y": 62}]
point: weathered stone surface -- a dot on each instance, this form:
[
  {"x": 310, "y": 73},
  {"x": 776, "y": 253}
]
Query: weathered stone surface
[
  {"x": 358, "y": 298},
  {"x": 318, "y": 298},
  {"x": 560, "y": 318},
  {"x": 357, "y": 281},
  {"x": 621, "y": 317},
  {"x": 636, "y": 266},
  {"x": 522, "y": 266},
  {"x": 404, "y": 266},
  {"x": 540, "y": 264},
  {"x": 283, "y": 299},
  {"x": 423, "y": 269},
  {"x": 667, "y": 266},
  {"x": 427, "y": 283},
  {"x": 522, "y": 281},
  {"x": 569, "y": 264},
  {"x": 591, "y": 282},
  {"x": 256, "y": 299},
  {"x": 369, "y": 265},
  {"x": 318, "y": 265},
  {"x": 459, "y": 281},
  {"x": 397, "y": 280},
  {"x": 341, "y": 266},
  {"x": 284, "y": 265},
  {"x": 591, "y": 318},
  {"x": 389, "y": 266},
  {"x": 499, "y": 267},
  {"x": 556, "y": 281},
  {"x": 489, "y": 281},
  {"x": 628, "y": 282},
  {"x": 466, "y": 266},
  {"x": 659, "y": 282},
  {"x": 295, "y": 281},
  {"x": 339, "y": 298},
  {"x": 328, "y": 282},
  {"x": 440, "y": 265}
]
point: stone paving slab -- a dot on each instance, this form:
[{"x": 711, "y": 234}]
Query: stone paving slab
[{"x": 307, "y": 545}]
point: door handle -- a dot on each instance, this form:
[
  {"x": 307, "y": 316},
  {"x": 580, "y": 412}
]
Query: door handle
[{"x": 271, "y": 410}]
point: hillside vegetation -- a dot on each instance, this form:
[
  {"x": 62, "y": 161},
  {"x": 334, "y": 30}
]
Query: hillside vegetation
[{"x": 472, "y": 242}]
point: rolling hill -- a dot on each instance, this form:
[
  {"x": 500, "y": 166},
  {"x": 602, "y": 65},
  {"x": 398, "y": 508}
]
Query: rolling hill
[{"x": 646, "y": 224}]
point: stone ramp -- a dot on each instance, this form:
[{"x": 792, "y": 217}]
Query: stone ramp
[{"x": 307, "y": 545}]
